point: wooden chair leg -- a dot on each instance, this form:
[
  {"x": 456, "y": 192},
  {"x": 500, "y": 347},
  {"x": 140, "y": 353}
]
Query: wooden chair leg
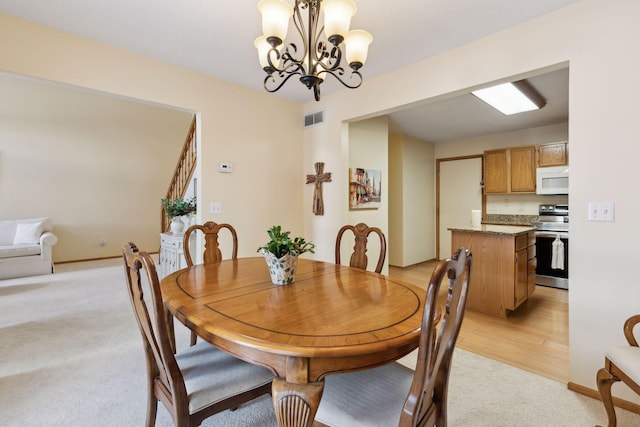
[
  {"x": 605, "y": 380},
  {"x": 442, "y": 413},
  {"x": 194, "y": 338},
  {"x": 152, "y": 406}
]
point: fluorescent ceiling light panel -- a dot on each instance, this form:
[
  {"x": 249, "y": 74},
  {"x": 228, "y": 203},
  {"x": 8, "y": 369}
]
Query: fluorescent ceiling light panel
[{"x": 509, "y": 99}]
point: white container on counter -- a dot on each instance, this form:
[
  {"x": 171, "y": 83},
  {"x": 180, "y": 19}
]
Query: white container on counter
[{"x": 476, "y": 218}]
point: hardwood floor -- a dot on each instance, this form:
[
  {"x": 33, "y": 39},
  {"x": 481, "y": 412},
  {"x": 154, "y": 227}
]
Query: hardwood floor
[{"x": 535, "y": 337}]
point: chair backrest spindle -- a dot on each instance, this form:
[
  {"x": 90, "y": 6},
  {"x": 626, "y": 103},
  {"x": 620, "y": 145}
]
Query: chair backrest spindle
[
  {"x": 212, "y": 252},
  {"x": 361, "y": 232}
]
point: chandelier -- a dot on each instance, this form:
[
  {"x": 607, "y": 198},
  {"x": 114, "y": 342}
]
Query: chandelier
[{"x": 319, "y": 56}]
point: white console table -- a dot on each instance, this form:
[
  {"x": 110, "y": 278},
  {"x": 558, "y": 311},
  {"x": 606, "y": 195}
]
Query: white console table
[{"x": 172, "y": 252}]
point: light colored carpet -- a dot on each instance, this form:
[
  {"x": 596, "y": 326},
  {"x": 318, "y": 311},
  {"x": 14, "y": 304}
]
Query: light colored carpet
[{"x": 71, "y": 355}]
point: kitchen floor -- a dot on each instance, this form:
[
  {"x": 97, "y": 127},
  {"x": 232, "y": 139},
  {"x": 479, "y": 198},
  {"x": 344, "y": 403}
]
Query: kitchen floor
[{"x": 535, "y": 337}]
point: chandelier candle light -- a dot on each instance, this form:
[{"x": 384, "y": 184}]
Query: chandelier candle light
[{"x": 318, "y": 56}]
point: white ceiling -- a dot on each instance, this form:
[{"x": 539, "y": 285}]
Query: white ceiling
[
  {"x": 466, "y": 116},
  {"x": 216, "y": 38}
]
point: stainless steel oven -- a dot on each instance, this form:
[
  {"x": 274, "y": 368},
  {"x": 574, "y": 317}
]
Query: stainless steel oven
[{"x": 552, "y": 246}]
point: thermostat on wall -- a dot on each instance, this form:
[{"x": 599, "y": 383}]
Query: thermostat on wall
[{"x": 225, "y": 167}]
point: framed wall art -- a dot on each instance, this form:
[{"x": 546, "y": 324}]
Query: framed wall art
[{"x": 365, "y": 188}]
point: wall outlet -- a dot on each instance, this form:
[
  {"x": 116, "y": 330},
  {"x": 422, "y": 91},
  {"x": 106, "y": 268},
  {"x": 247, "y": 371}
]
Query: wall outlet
[
  {"x": 225, "y": 167},
  {"x": 103, "y": 242}
]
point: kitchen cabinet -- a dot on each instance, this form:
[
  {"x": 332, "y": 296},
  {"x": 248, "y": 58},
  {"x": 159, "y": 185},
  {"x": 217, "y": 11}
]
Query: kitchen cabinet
[
  {"x": 554, "y": 154},
  {"x": 522, "y": 169},
  {"x": 532, "y": 263},
  {"x": 503, "y": 270},
  {"x": 495, "y": 173},
  {"x": 510, "y": 170}
]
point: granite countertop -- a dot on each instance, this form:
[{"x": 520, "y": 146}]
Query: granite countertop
[
  {"x": 501, "y": 219},
  {"x": 495, "y": 229}
]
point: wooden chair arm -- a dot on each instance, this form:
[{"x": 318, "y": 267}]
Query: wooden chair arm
[{"x": 628, "y": 329}]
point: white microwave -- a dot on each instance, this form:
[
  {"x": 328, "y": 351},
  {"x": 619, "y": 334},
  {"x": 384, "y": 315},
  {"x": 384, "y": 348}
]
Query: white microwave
[{"x": 552, "y": 180}]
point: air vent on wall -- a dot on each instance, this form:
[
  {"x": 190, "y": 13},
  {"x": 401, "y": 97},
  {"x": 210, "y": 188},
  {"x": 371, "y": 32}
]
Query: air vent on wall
[{"x": 314, "y": 119}]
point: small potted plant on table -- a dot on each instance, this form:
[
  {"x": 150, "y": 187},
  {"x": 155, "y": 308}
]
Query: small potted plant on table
[
  {"x": 281, "y": 253},
  {"x": 177, "y": 209}
]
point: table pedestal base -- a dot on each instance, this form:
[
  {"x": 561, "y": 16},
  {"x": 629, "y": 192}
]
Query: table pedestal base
[{"x": 296, "y": 404}]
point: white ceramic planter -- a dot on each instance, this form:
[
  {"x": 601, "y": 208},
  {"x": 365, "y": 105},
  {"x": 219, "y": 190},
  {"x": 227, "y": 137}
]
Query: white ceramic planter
[
  {"x": 283, "y": 269},
  {"x": 177, "y": 225}
]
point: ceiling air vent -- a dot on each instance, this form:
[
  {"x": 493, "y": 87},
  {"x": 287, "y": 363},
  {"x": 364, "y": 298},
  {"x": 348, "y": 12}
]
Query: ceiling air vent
[{"x": 314, "y": 119}]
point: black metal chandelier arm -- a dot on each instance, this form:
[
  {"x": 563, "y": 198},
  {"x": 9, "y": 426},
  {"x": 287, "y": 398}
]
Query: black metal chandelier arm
[
  {"x": 326, "y": 61},
  {"x": 337, "y": 73},
  {"x": 298, "y": 22},
  {"x": 297, "y": 16},
  {"x": 286, "y": 58},
  {"x": 271, "y": 79}
]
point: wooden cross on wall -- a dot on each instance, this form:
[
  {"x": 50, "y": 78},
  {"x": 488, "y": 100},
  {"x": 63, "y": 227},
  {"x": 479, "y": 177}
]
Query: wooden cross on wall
[{"x": 318, "y": 179}]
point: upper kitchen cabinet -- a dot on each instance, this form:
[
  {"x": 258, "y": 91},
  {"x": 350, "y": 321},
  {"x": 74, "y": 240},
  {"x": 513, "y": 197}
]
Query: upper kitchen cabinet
[
  {"x": 495, "y": 171},
  {"x": 555, "y": 154},
  {"x": 510, "y": 170},
  {"x": 523, "y": 170}
]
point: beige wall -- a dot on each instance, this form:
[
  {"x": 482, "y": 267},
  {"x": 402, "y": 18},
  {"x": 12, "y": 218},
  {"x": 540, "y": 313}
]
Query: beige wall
[
  {"x": 254, "y": 130},
  {"x": 412, "y": 200},
  {"x": 598, "y": 40},
  {"x": 369, "y": 143},
  {"x": 396, "y": 208},
  {"x": 97, "y": 165}
]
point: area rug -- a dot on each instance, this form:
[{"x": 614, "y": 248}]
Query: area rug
[{"x": 71, "y": 355}]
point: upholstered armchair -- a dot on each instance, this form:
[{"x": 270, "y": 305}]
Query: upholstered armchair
[{"x": 26, "y": 247}]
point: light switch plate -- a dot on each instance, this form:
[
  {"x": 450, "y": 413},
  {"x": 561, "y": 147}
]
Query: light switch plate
[
  {"x": 601, "y": 211},
  {"x": 215, "y": 208},
  {"x": 607, "y": 209}
]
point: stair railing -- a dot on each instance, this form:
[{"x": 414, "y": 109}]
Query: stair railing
[{"x": 183, "y": 172}]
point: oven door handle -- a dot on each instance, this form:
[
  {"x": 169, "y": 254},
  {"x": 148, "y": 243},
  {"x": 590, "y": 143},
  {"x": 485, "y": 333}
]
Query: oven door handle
[{"x": 551, "y": 234}]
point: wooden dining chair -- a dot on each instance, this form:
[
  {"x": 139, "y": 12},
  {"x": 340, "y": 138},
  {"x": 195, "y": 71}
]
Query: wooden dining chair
[
  {"x": 393, "y": 394},
  {"x": 361, "y": 233},
  {"x": 212, "y": 252},
  {"x": 621, "y": 363},
  {"x": 194, "y": 384}
]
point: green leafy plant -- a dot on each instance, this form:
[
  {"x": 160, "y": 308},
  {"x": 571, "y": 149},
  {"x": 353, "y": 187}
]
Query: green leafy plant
[
  {"x": 281, "y": 243},
  {"x": 179, "y": 207}
]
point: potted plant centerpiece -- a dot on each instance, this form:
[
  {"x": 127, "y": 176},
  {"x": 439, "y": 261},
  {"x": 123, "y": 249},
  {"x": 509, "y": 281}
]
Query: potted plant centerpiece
[
  {"x": 281, "y": 253},
  {"x": 177, "y": 209}
]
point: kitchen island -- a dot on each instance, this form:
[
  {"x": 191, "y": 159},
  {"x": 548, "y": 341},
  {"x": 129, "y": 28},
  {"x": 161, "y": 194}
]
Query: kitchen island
[{"x": 504, "y": 266}]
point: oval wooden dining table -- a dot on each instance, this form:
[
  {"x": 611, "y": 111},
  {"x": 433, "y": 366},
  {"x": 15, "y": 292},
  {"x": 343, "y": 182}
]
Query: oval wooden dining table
[{"x": 332, "y": 319}]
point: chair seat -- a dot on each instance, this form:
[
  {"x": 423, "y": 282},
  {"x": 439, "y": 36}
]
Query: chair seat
[
  {"x": 376, "y": 397},
  {"x": 211, "y": 375},
  {"x": 347, "y": 399},
  {"x": 627, "y": 358}
]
